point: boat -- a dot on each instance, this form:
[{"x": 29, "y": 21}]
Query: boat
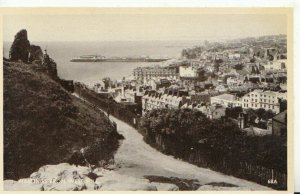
[{"x": 99, "y": 58}]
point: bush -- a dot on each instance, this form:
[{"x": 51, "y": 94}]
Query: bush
[{"x": 182, "y": 132}]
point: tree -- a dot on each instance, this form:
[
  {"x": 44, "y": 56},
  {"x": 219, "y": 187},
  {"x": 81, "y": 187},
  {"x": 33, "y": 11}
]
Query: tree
[
  {"x": 184, "y": 128},
  {"x": 107, "y": 82},
  {"x": 233, "y": 112},
  {"x": 283, "y": 105},
  {"x": 239, "y": 66}
]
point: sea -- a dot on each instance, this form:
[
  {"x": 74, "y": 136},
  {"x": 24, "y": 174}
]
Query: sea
[{"x": 93, "y": 72}]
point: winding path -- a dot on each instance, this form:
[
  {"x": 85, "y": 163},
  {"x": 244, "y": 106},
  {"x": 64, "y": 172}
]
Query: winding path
[{"x": 138, "y": 159}]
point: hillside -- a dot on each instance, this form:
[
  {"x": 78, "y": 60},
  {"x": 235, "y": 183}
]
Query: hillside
[{"x": 45, "y": 124}]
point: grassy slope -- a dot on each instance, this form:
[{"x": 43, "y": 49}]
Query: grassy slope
[{"x": 43, "y": 123}]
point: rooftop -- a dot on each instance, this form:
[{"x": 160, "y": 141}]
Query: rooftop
[{"x": 225, "y": 97}]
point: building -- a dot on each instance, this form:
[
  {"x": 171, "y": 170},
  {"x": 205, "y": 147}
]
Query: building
[
  {"x": 188, "y": 71},
  {"x": 142, "y": 73},
  {"x": 135, "y": 95},
  {"x": 268, "y": 100},
  {"x": 226, "y": 100},
  {"x": 280, "y": 64},
  {"x": 157, "y": 83},
  {"x": 203, "y": 97},
  {"x": 234, "y": 55},
  {"x": 213, "y": 112},
  {"x": 222, "y": 88},
  {"x": 120, "y": 96},
  {"x": 170, "y": 99},
  {"x": 234, "y": 81}
]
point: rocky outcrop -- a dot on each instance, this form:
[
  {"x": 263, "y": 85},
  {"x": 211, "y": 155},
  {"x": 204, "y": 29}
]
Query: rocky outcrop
[
  {"x": 66, "y": 177},
  {"x": 20, "y": 47},
  {"x": 35, "y": 53},
  {"x": 51, "y": 66}
]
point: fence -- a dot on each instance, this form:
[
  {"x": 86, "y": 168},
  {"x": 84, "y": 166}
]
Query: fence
[
  {"x": 256, "y": 173},
  {"x": 264, "y": 176}
]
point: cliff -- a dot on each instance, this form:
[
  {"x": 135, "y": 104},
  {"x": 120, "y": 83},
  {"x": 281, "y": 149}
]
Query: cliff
[{"x": 46, "y": 124}]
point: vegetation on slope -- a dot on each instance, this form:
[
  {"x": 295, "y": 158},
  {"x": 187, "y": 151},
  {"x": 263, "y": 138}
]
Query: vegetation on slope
[{"x": 44, "y": 124}]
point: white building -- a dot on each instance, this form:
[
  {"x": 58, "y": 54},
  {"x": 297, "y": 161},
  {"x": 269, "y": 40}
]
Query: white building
[
  {"x": 280, "y": 64},
  {"x": 267, "y": 100},
  {"x": 226, "y": 100},
  {"x": 188, "y": 71}
]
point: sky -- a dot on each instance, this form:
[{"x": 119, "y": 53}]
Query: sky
[{"x": 131, "y": 27}]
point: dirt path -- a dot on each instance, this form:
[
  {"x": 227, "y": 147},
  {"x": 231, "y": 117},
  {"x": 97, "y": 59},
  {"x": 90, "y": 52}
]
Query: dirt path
[{"x": 138, "y": 159}]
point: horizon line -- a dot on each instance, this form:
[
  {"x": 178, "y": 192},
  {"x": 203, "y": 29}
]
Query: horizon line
[{"x": 158, "y": 40}]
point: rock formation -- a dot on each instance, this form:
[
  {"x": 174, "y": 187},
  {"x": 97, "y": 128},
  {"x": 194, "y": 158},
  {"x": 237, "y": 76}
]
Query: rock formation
[
  {"x": 20, "y": 47},
  {"x": 35, "y": 53},
  {"x": 22, "y": 50},
  {"x": 51, "y": 66}
]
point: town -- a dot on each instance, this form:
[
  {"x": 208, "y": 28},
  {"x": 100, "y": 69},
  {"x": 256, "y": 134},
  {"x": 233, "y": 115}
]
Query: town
[{"x": 244, "y": 79}]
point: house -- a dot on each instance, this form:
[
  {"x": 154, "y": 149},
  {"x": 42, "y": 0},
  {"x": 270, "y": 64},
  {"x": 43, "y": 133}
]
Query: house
[
  {"x": 213, "y": 111},
  {"x": 169, "y": 99}
]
